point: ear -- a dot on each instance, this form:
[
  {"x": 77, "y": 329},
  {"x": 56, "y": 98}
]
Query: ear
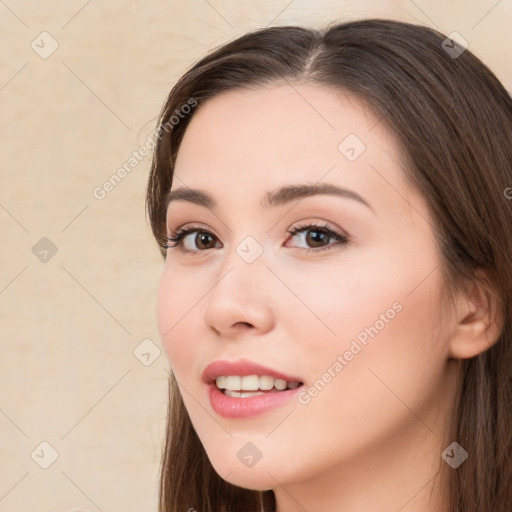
[{"x": 478, "y": 320}]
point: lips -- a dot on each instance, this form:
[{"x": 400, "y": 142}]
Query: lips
[
  {"x": 242, "y": 367},
  {"x": 243, "y": 406}
]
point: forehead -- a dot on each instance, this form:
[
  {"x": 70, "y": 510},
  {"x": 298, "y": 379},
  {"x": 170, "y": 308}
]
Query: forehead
[{"x": 261, "y": 139}]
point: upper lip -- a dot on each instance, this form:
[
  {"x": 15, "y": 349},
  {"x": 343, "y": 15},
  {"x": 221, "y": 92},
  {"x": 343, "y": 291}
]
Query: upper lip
[{"x": 241, "y": 367}]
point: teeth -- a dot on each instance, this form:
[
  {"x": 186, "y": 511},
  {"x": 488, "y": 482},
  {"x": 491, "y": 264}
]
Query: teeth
[
  {"x": 250, "y": 382},
  {"x": 221, "y": 382},
  {"x": 266, "y": 382},
  {"x": 241, "y": 394},
  {"x": 280, "y": 384},
  {"x": 235, "y": 383}
]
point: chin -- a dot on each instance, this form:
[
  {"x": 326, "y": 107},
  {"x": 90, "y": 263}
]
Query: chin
[
  {"x": 234, "y": 472},
  {"x": 255, "y": 481}
]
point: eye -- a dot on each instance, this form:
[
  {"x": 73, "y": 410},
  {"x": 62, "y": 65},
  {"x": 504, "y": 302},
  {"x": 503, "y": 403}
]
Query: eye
[
  {"x": 313, "y": 234},
  {"x": 318, "y": 236},
  {"x": 182, "y": 237}
]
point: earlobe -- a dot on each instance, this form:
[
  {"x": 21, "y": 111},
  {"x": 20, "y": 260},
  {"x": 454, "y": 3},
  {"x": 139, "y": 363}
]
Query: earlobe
[{"x": 477, "y": 321}]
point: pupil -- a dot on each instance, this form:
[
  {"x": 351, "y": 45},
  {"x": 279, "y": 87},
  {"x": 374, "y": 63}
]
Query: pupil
[
  {"x": 318, "y": 237},
  {"x": 203, "y": 237}
]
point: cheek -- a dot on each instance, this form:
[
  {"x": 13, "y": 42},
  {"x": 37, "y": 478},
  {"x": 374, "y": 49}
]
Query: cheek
[
  {"x": 338, "y": 303},
  {"x": 174, "y": 308},
  {"x": 385, "y": 318},
  {"x": 382, "y": 384},
  {"x": 389, "y": 338}
]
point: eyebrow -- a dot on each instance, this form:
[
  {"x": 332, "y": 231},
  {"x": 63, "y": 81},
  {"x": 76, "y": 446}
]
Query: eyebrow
[{"x": 278, "y": 197}]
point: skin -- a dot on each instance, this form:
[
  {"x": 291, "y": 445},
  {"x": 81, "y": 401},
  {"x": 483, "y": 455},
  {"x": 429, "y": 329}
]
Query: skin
[{"x": 372, "y": 438}]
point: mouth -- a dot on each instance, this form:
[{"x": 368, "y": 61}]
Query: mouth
[
  {"x": 247, "y": 386},
  {"x": 246, "y": 375},
  {"x": 244, "y": 388}
]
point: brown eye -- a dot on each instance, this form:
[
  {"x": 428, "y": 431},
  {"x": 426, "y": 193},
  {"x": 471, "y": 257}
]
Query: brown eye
[
  {"x": 183, "y": 239},
  {"x": 202, "y": 239},
  {"x": 315, "y": 237}
]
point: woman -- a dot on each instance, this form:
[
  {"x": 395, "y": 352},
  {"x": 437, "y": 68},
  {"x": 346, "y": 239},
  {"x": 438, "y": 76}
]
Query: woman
[{"x": 334, "y": 212}]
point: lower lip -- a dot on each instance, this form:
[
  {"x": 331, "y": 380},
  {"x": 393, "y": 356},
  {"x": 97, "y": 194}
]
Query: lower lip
[{"x": 232, "y": 407}]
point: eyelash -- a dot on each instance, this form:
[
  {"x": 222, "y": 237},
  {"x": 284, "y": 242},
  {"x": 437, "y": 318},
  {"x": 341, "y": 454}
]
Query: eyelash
[{"x": 178, "y": 236}]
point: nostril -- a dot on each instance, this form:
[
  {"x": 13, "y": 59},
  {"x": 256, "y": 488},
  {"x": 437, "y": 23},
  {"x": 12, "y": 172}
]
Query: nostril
[{"x": 244, "y": 324}]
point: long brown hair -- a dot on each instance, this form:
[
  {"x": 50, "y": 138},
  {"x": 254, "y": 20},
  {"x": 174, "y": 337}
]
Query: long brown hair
[{"x": 453, "y": 120}]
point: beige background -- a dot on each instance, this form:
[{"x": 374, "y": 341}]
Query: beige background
[{"x": 70, "y": 322}]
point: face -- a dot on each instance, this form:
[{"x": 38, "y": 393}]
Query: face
[{"x": 339, "y": 292}]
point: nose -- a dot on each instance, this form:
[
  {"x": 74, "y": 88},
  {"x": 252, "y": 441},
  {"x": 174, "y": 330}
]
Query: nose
[{"x": 239, "y": 301}]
